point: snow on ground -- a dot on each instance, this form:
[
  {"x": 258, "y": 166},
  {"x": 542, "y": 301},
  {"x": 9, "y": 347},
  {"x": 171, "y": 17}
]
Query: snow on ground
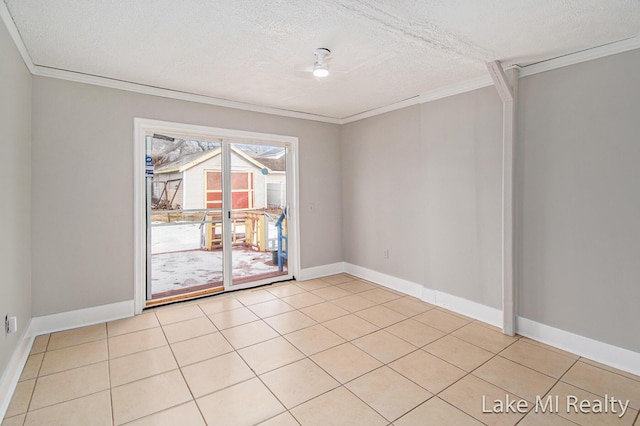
[
  {"x": 175, "y": 238},
  {"x": 179, "y": 270},
  {"x": 178, "y": 263}
]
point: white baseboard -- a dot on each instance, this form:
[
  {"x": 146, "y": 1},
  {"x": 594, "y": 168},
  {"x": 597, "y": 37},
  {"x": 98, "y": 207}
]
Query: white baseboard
[
  {"x": 404, "y": 286},
  {"x": 604, "y": 353},
  {"x": 321, "y": 271},
  {"x": 50, "y": 324},
  {"x": 81, "y": 317},
  {"x": 453, "y": 303},
  {"x": 463, "y": 306},
  {"x": 614, "y": 356},
  {"x": 13, "y": 370}
]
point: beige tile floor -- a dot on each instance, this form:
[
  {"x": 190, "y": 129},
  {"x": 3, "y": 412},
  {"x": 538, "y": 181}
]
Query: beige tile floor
[{"x": 329, "y": 351}]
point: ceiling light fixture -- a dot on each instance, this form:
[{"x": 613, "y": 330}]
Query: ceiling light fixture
[{"x": 320, "y": 69}]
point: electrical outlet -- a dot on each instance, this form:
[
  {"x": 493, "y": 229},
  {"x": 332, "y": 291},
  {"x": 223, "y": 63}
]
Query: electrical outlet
[
  {"x": 10, "y": 324},
  {"x": 386, "y": 254}
]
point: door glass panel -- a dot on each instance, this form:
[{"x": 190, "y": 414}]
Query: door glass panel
[
  {"x": 194, "y": 246},
  {"x": 184, "y": 214},
  {"x": 258, "y": 212}
]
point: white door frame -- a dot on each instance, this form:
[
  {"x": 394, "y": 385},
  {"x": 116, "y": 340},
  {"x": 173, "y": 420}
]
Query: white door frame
[{"x": 143, "y": 127}]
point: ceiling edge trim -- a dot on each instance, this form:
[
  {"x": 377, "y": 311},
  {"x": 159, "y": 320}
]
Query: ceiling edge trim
[
  {"x": 15, "y": 36},
  {"x": 582, "y": 56},
  {"x": 173, "y": 94},
  {"x": 440, "y": 93},
  {"x": 377, "y": 111},
  {"x": 485, "y": 81},
  {"x": 456, "y": 89}
]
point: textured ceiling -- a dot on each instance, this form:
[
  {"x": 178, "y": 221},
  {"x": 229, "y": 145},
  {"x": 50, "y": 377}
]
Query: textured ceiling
[{"x": 252, "y": 50}]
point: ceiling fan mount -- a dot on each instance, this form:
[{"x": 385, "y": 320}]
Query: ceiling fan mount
[
  {"x": 320, "y": 68},
  {"x": 321, "y": 53}
]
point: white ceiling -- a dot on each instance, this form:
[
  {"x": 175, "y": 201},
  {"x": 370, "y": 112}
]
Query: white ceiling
[{"x": 251, "y": 50}]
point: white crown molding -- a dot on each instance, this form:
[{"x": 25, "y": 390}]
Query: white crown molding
[
  {"x": 433, "y": 95},
  {"x": 173, "y": 94},
  {"x": 582, "y": 56},
  {"x": 456, "y": 89},
  {"x": 377, "y": 111},
  {"x": 15, "y": 36},
  {"x": 439, "y": 93},
  {"x": 485, "y": 81}
]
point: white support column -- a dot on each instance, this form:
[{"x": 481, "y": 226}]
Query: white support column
[{"x": 508, "y": 93}]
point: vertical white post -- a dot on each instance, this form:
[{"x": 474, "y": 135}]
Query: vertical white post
[{"x": 508, "y": 93}]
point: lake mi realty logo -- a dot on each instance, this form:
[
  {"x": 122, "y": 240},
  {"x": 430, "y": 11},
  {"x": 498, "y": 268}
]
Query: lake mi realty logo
[{"x": 556, "y": 404}]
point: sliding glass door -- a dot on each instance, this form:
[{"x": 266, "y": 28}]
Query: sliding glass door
[
  {"x": 258, "y": 198},
  {"x": 216, "y": 215}
]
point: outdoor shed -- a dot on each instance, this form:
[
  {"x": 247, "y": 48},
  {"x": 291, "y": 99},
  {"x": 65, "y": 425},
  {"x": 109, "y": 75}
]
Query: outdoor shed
[{"x": 193, "y": 181}]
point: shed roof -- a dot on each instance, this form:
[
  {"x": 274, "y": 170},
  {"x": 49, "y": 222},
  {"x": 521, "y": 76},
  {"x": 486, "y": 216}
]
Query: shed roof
[{"x": 191, "y": 160}]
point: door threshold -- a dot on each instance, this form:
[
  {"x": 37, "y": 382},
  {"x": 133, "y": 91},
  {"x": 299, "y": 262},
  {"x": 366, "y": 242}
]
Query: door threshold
[{"x": 182, "y": 297}]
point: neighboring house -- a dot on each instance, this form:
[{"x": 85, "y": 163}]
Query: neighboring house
[
  {"x": 194, "y": 181},
  {"x": 276, "y": 180}
]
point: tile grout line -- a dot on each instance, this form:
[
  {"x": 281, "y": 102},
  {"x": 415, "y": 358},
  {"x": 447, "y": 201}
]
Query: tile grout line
[
  {"x": 36, "y": 379},
  {"x": 108, "y": 353},
  {"x": 470, "y": 373},
  {"x": 193, "y": 398},
  {"x": 253, "y": 371},
  {"x": 153, "y": 375},
  {"x": 61, "y": 402},
  {"x": 526, "y": 366},
  {"x": 586, "y": 361},
  {"x": 308, "y": 357},
  {"x": 350, "y": 341},
  {"x": 397, "y": 372},
  {"x": 62, "y": 371},
  {"x": 386, "y": 364},
  {"x": 554, "y": 385},
  {"x": 340, "y": 384},
  {"x": 113, "y": 416},
  {"x": 35, "y": 383},
  {"x": 75, "y": 367},
  {"x": 587, "y": 390},
  {"x": 343, "y": 385},
  {"x": 234, "y": 350}
]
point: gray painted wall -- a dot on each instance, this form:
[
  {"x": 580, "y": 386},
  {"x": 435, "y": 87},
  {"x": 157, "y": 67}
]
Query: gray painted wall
[
  {"x": 438, "y": 164},
  {"x": 462, "y": 140},
  {"x": 83, "y": 223},
  {"x": 15, "y": 177},
  {"x": 577, "y": 194},
  {"x": 425, "y": 182},
  {"x": 578, "y": 187},
  {"x": 382, "y": 189}
]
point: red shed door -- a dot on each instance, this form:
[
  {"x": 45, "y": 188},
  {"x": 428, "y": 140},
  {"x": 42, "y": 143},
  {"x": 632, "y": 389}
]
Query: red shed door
[{"x": 242, "y": 190}]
